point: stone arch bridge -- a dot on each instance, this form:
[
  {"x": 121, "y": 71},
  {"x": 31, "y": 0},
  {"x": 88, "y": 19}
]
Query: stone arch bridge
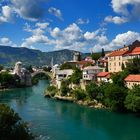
[{"x": 41, "y": 72}]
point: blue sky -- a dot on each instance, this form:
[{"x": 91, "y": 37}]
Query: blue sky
[{"x": 81, "y": 25}]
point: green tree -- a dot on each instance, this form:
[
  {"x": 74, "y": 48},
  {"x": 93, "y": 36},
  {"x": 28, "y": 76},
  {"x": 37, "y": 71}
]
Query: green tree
[
  {"x": 79, "y": 94},
  {"x": 118, "y": 78},
  {"x": 76, "y": 76},
  {"x": 1, "y": 67},
  {"x": 123, "y": 66},
  {"x": 95, "y": 56},
  {"x": 103, "y": 53},
  {"x": 6, "y": 79},
  {"x": 92, "y": 90},
  {"x": 114, "y": 97},
  {"x": 64, "y": 87},
  {"x": 132, "y": 101},
  {"x": 11, "y": 125},
  {"x": 52, "y": 90},
  {"x": 29, "y": 68},
  {"x": 133, "y": 66},
  {"x": 67, "y": 66}
]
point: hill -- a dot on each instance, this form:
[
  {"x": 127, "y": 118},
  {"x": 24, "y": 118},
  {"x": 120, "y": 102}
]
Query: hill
[{"x": 10, "y": 55}]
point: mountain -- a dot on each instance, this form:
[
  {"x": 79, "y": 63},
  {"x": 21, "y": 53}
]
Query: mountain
[{"x": 10, "y": 55}]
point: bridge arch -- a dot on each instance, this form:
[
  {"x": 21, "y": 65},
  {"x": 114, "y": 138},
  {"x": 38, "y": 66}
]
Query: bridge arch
[{"x": 40, "y": 72}]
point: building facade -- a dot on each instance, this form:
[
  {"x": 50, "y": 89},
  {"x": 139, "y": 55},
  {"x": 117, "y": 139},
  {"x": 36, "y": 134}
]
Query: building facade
[
  {"x": 132, "y": 80},
  {"x": 119, "y": 58}
]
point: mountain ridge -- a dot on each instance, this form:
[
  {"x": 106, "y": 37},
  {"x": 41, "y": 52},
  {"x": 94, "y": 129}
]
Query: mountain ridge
[{"x": 9, "y": 55}]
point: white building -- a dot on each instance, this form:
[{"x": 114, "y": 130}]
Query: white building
[
  {"x": 90, "y": 72},
  {"x": 104, "y": 77},
  {"x": 61, "y": 75}
]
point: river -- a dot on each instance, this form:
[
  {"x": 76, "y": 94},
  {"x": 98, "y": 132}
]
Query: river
[{"x": 56, "y": 120}]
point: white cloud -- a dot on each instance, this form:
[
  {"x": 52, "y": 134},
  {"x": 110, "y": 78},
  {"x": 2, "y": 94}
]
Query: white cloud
[
  {"x": 7, "y": 42},
  {"x": 127, "y": 9},
  {"x": 27, "y": 9},
  {"x": 124, "y": 39},
  {"x": 123, "y": 7},
  {"x": 56, "y": 12},
  {"x": 37, "y": 34},
  {"x": 6, "y": 14},
  {"x": 82, "y": 21},
  {"x": 73, "y": 37},
  {"x": 42, "y": 25},
  {"x": 116, "y": 19},
  {"x": 119, "y": 41}
]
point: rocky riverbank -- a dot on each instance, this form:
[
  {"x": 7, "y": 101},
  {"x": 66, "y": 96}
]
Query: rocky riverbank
[{"x": 89, "y": 103}]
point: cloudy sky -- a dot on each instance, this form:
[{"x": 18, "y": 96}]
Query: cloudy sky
[{"x": 84, "y": 25}]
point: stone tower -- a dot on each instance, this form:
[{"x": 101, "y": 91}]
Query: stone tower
[
  {"x": 77, "y": 56},
  {"x": 18, "y": 68}
]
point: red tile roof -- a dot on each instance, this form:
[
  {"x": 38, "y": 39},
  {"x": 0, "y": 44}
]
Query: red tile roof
[
  {"x": 83, "y": 62},
  {"x": 118, "y": 53},
  {"x": 103, "y": 74},
  {"x": 132, "y": 78},
  {"x": 135, "y": 51}
]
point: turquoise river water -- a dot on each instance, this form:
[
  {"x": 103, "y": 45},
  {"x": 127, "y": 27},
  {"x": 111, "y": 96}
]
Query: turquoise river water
[{"x": 56, "y": 120}]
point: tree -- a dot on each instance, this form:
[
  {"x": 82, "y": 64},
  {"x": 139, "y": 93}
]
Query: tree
[
  {"x": 11, "y": 125},
  {"x": 29, "y": 68},
  {"x": 123, "y": 67},
  {"x": 118, "y": 78},
  {"x": 6, "y": 79},
  {"x": 79, "y": 94},
  {"x": 92, "y": 90},
  {"x": 133, "y": 66},
  {"x": 103, "y": 53},
  {"x": 76, "y": 76},
  {"x": 52, "y": 90},
  {"x": 132, "y": 101},
  {"x": 95, "y": 56},
  {"x": 1, "y": 67},
  {"x": 64, "y": 87},
  {"x": 67, "y": 66},
  {"x": 114, "y": 97}
]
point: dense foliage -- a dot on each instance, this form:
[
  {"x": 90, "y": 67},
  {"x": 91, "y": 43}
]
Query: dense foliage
[
  {"x": 132, "y": 101},
  {"x": 11, "y": 125},
  {"x": 52, "y": 90},
  {"x": 79, "y": 94},
  {"x": 64, "y": 88},
  {"x": 67, "y": 66},
  {"x": 1, "y": 67},
  {"x": 114, "y": 97},
  {"x": 95, "y": 56},
  {"x": 118, "y": 78},
  {"x": 92, "y": 90},
  {"x": 133, "y": 66},
  {"x": 8, "y": 80},
  {"x": 76, "y": 76}
]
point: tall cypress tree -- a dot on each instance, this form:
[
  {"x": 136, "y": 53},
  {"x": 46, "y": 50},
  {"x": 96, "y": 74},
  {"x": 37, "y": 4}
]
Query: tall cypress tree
[{"x": 103, "y": 52}]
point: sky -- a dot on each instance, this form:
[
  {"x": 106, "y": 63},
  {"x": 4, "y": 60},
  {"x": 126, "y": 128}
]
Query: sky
[{"x": 82, "y": 25}]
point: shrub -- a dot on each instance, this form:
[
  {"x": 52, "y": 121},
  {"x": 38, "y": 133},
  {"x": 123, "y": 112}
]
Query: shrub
[
  {"x": 114, "y": 97},
  {"x": 79, "y": 94},
  {"x": 52, "y": 90},
  {"x": 11, "y": 125},
  {"x": 76, "y": 76},
  {"x": 132, "y": 101},
  {"x": 92, "y": 90},
  {"x": 64, "y": 87}
]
